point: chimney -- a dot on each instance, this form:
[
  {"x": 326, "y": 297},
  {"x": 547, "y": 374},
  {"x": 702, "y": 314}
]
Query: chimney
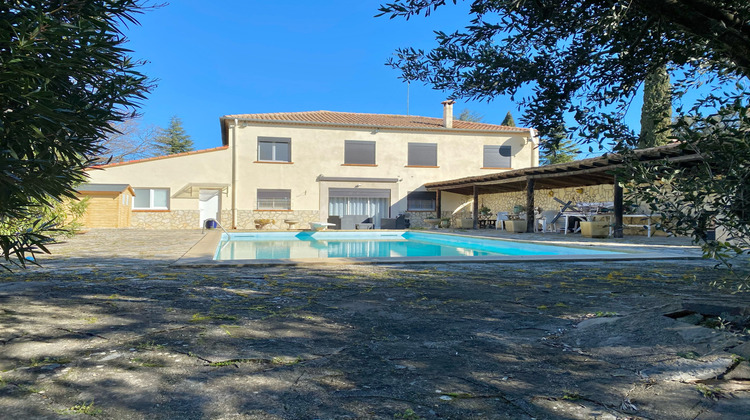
[{"x": 448, "y": 113}]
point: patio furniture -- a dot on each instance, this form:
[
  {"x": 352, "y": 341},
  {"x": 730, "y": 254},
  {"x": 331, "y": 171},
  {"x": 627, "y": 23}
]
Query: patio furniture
[
  {"x": 317, "y": 226},
  {"x": 363, "y": 226},
  {"x": 290, "y": 223},
  {"x": 432, "y": 223},
  {"x": 502, "y": 216},
  {"x": 548, "y": 219},
  {"x": 387, "y": 223}
]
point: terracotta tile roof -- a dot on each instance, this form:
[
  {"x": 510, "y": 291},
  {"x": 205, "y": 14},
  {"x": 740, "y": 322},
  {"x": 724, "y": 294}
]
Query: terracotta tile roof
[
  {"x": 371, "y": 120},
  {"x": 128, "y": 162}
]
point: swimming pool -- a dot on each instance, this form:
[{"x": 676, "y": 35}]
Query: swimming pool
[{"x": 377, "y": 245}]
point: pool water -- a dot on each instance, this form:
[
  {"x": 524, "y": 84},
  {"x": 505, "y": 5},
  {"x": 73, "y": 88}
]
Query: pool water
[{"x": 304, "y": 245}]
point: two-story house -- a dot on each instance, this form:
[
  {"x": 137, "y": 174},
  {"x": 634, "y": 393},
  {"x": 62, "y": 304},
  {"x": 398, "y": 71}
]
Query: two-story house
[{"x": 306, "y": 166}]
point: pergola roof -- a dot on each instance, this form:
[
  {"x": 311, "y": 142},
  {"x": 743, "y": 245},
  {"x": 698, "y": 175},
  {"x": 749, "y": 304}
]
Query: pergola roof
[{"x": 592, "y": 171}]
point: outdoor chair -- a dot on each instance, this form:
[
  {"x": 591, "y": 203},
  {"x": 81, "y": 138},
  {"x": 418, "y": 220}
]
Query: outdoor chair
[
  {"x": 499, "y": 221},
  {"x": 548, "y": 219}
]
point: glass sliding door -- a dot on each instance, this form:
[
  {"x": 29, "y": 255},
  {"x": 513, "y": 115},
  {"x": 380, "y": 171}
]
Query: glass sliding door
[{"x": 359, "y": 201}]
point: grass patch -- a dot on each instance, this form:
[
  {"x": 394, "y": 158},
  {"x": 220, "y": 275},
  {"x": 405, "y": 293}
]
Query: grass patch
[
  {"x": 149, "y": 345},
  {"x": 36, "y": 362},
  {"x": 572, "y": 396},
  {"x": 86, "y": 408},
  {"x": 198, "y": 317},
  {"x": 709, "y": 392}
]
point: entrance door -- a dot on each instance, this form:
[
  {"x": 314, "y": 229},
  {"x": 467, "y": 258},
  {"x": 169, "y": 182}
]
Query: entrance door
[{"x": 209, "y": 205}]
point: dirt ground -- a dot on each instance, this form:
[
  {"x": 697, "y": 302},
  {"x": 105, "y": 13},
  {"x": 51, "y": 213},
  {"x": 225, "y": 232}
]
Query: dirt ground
[{"x": 116, "y": 332}]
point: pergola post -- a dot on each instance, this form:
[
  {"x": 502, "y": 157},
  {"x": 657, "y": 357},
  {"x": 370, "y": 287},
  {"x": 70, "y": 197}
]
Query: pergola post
[
  {"x": 530, "y": 205},
  {"x": 438, "y": 205},
  {"x": 475, "y": 208},
  {"x": 617, "y": 231}
]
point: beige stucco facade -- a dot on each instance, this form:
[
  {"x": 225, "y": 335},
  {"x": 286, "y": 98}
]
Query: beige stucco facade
[{"x": 316, "y": 164}]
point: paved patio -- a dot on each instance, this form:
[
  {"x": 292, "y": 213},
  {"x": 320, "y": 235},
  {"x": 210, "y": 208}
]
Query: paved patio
[{"x": 108, "y": 327}]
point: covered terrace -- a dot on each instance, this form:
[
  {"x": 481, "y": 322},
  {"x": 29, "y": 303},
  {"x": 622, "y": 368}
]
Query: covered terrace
[{"x": 586, "y": 172}]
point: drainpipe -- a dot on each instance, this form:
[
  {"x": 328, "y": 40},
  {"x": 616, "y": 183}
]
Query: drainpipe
[{"x": 234, "y": 174}]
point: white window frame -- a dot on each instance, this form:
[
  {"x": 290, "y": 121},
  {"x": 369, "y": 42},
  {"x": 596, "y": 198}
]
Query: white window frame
[
  {"x": 151, "y": 199},
  {"x": 274, "y": 141}
]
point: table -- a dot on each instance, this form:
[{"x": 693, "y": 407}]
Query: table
[
  {"x": 587, "y": 216},
  {"x": 487, "y": 223},
  {"x": 359, "y": 226}
]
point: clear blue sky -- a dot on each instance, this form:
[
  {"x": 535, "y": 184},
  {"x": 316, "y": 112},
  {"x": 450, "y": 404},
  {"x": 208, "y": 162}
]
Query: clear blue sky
[
  {"x": 252, "y": 56},
  {"x": 257, "y": 56}
]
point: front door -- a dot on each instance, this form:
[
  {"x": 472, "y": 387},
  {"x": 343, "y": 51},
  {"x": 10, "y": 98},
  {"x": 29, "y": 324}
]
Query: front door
[{"x": 209, "y": 205}]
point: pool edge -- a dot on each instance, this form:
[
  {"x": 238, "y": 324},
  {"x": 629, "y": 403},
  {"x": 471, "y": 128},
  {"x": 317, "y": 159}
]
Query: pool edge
[{"x": 202, "y": 254}]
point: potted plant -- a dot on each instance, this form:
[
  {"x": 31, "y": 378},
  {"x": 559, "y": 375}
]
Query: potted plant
[
  {"x": 485, "y": 211},
  {"x": 445, "y": 222}
]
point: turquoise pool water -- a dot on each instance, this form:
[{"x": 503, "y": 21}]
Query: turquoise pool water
[{"x": 373, "y": 244}]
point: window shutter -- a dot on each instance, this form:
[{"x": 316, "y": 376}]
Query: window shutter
[
  {"x": 359, "y": 152},
  {"x": 422, "y": 154},
  {"x": 359, "y": 193},
  {"x": 497, "y": 156}
]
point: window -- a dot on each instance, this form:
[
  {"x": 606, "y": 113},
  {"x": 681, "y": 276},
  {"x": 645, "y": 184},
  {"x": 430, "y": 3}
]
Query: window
[
  {"x": 274, "y": 149},
  {"x": 274, "y": 199},
  {"x": 422, "y": 154},
  {"x": 151, "y": 199},
  {"x": 497, "y": 156},
  {"x": 359, "y": 152},
  {"x": 421, "y": 201}
]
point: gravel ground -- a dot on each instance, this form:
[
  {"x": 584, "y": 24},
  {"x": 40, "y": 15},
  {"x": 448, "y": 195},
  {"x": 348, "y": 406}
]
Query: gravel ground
[{"x": 108, "y": 328}]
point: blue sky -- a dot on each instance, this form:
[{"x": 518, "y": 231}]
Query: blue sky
[{"x": 251, "y": 56}]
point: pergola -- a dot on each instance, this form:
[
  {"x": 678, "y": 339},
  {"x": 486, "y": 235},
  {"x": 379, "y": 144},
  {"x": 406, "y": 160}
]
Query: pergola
[{"x": 580, "y": 173}]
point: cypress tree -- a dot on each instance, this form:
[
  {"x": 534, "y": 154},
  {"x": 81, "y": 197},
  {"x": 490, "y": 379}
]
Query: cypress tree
[
  {"x": 508, "y": 120},
  {"x": 656, "y": 114}
]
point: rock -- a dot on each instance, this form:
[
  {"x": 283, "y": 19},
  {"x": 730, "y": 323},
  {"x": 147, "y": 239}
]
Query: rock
[
  {"x": 743, "y": 350},
  {"x": 687, "y": 370},
  {"x": 694, "y": 319},
  {"x": 595, "y": 321},
  {"x": 741, "y": 372}
]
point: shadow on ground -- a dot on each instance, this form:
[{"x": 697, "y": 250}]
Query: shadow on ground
[{"x": 129, "y": 337}]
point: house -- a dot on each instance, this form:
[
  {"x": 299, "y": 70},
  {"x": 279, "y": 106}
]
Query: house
[{"x": 307, "y": 166}]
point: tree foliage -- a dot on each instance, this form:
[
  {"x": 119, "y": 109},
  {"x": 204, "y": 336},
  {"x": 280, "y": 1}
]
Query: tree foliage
[
  {"x": 173, "y": 139},
  {"x": 584, "y": 60},
  {"x": 508, "y": 120},
  {"x": 65, "y": 77},
  {"x": 656, "y": 113},
  {"x": 469, "y": 115}
]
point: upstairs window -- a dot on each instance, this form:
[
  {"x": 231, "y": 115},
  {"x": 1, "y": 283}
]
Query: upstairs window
[
  {"x": 422, "y": 154},
  {"x": 421, "y": 201},
  {"x": 151, "y": 199},
  {"x": 359, "y": 152},
  {"x": 274, "y": 149},
  {"x": 497, "y": 157},
  {"x": 274, "y": 199}
]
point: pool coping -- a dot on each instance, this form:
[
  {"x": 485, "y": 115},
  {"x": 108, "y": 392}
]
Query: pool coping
[{"x": 202, "y": 253}]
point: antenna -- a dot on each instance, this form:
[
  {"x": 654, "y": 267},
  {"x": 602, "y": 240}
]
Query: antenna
[{"x": 408, "y": 84}]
